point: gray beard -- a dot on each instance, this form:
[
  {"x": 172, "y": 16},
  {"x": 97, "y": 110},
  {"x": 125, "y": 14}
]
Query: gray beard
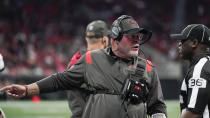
[{"x": 133, "y": 53}]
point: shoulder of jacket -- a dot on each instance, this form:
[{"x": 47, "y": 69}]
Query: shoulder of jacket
[
  {"x": 148, "y": 63},
  {"x": 92, "y": 54},
  {"x": 95, "y": 52},
  {"x": 206, "y": 67}
]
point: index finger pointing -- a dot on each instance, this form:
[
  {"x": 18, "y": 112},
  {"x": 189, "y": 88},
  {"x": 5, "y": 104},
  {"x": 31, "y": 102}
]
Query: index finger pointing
[{"x": 4, "y": 88}]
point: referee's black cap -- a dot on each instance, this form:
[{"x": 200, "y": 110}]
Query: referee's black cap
[{"x": 194, "y": 31}]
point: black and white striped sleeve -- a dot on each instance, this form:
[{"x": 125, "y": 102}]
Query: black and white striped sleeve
[{"x": 199, "y": 88}]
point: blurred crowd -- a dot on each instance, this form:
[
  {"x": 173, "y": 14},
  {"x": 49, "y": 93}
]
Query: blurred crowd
[{"x": 38, "y": 37}]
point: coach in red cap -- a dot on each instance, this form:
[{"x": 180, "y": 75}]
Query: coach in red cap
[{"x": 118, "y": 82}]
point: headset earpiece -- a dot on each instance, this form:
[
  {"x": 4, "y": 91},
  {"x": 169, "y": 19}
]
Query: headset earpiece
[{"x": 115, "y": 32}]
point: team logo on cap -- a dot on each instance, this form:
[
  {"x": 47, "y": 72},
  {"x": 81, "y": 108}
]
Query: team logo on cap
[{"x": 133, "y": 22}]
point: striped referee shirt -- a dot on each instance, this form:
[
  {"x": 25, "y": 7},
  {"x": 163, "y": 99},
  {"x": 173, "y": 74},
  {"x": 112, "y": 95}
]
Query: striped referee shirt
[{"x": 195, "y": 89}]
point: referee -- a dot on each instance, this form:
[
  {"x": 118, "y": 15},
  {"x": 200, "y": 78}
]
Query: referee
[{"x": 194, "y": 45}]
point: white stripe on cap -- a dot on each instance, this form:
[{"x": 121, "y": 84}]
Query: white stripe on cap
[
  {"x": 196, "y": 74},
  {"x": 191, "y": 30},
  {"x": 203, "y": 33}
]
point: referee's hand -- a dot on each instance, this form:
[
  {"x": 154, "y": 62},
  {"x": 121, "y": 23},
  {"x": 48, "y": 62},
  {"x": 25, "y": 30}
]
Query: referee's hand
[{"x": 15, "y": 91}]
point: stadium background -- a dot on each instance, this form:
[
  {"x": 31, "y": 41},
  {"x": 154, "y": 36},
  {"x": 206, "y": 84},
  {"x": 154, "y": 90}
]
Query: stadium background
[{"x": 38, "y": 37}]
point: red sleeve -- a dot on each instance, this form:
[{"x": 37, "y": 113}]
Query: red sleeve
[
  {"x": 75, "y": 58},
  {"x": 149, "y": 66}
]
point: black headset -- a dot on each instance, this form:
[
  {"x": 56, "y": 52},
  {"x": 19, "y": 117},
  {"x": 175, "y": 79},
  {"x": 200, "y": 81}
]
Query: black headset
[{"x": 116, "y": 29}]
